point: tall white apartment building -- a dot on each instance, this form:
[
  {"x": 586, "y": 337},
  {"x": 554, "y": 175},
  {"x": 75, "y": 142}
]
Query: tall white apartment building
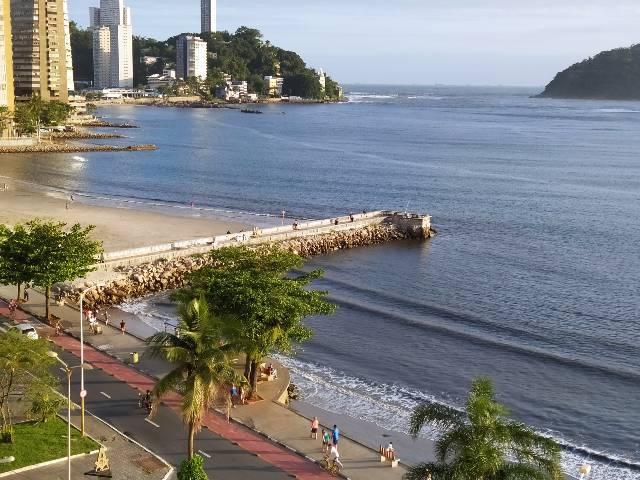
[
  {"x": 208, "y": 16},
  {"x": 191, "y": 57},
  {"x": 67, "y": 46},
  {"x": 112, "y": 45}
]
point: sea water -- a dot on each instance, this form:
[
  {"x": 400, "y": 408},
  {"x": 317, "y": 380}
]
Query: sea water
[{"x": 532, "y": 280}]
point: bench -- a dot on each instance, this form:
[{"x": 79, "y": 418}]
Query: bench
[{"x": 387, "y": 455}]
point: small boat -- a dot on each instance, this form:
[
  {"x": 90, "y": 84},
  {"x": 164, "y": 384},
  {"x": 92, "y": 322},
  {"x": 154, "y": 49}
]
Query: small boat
[{"x": 248, "y": 110}]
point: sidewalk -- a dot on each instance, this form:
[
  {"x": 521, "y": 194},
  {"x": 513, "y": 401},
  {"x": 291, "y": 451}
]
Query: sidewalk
[{"x": 272, "y": 419}]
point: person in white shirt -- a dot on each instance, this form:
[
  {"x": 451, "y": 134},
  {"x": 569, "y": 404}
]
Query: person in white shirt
[{"x": 334, "y": 456}]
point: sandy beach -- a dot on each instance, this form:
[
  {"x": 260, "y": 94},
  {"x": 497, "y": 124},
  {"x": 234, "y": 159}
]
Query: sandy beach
[{"x": 118, "y": 228}]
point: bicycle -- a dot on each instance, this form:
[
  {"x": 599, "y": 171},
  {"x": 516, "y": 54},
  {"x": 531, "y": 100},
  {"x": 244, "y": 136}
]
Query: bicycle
[{"x": 329, "y": 465}]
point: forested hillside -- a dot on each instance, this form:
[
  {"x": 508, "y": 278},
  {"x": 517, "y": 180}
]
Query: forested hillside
[
  {"x": 244, "y": 55},
  {"x": 614, "y": 74}
]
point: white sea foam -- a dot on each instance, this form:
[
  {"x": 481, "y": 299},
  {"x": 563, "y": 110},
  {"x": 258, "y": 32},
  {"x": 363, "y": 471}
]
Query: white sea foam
[
  {"x": 616, "y": 110},
  {"x": 390, "y": 407}
]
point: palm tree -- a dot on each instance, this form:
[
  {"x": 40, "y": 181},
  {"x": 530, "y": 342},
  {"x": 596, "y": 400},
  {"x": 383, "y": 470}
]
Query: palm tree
[
  {"x": 486, "y": 445},
  {"x": 201, "y": 364}
]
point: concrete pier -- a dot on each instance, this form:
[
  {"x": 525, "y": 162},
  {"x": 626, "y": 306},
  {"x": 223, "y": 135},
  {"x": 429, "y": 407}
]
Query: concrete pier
[{"x": 412, "y": 224}]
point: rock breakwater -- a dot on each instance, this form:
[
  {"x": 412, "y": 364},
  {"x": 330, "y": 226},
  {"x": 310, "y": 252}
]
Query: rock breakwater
[{"x": 138, "y": 281}]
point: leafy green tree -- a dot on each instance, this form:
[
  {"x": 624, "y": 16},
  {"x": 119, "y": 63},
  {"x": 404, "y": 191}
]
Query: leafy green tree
[
  {"x": 60, "y": 255},
  {"x": 486, "y": 445},
  {"x": 6, "y": 119},
  {"x": 82, "y": 52},
  {"x": 263, "y": 302},
  {"x": 24, "y": 365},
  {"x": 16, "y": 251},
  {"x": 305, "y": 85},
  {"x": 45, "y": 403},
  {"x": 36, "y": 113},
  {"x": 200, "y": 360},
  {"x": 192, "y": 469}
]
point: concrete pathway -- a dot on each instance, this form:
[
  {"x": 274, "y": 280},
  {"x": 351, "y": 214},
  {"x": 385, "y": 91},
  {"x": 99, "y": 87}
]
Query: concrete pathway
[{"x": 271, "y": 418}]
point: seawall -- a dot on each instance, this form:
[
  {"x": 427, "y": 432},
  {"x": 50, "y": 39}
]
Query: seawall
[{"x": 138, "y": 272}]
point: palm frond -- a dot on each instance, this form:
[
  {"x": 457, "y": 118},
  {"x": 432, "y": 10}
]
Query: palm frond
[
  {"x": 425, "y": 471},
  {"x": 435, "y": 413}
]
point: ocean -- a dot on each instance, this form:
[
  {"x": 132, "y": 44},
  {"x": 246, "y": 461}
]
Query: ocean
[{"x": 532, "y": 280}]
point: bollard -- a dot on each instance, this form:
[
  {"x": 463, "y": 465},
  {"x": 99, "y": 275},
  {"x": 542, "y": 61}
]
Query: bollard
[{"x": 134, "y": 357}]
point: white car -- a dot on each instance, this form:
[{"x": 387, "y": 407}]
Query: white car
[{"x": 26, "y": 329}]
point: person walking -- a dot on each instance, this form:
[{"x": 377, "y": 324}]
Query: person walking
[
  {"x": 122, "y": 326},
  {"x": 326, "y": 441},
  {"x": 26, "y": 293},
  {"x": 233, "y": 394},
  {"x": 335, "y": 435},
  {"x": 314, "y": 428},
  {"x": 105, "y": 316}
]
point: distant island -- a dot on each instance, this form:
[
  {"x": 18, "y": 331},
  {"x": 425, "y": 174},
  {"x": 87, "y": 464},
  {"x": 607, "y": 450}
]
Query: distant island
[
  {"x": 610, "y": 75},
  {"x": 243, "y": 55}
]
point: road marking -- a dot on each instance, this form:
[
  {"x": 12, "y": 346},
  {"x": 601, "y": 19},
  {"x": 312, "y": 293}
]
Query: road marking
[
  {"x": 106, "y": 395},
  {"x": 152, "y": 423},
  {"x": 204, "y": 454}
]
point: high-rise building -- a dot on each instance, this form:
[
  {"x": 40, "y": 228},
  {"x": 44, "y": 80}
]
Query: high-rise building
[
  {"x": 208, "y": 16},
  {"x": 67, "y": 46},
  {"x": 112, "y": 45},
  {"x": 39, "y": 52},
  {"x": 6, "y": 57},
  {"x": 191, "y": 57}
]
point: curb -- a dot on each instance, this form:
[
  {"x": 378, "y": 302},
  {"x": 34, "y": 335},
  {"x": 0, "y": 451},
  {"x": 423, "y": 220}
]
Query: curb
[{"x": 47, "y": 463}]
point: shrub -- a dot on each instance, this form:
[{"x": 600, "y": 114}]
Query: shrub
[{"x": 192, "y": 469}]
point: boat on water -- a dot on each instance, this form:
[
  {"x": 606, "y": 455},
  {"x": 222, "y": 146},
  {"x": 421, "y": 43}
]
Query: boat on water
[{"x": 248, "y": 110}]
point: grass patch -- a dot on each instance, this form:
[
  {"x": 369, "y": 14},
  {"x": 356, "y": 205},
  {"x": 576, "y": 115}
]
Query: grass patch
[{"x": 40, "y": 442}]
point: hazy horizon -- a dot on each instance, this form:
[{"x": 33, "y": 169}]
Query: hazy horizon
[{"x": 410, "y": 43}]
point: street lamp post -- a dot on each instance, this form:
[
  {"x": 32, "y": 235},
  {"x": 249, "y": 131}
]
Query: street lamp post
[
  {"x": 68, "y": 371},
  {"x": 83, "y": 392}
]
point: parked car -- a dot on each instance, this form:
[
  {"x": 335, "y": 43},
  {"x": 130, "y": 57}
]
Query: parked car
[{"x": 26, "y": 329}]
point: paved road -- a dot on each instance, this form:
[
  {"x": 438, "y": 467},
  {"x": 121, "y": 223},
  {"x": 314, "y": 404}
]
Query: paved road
[{"x": 166, "y": 436}]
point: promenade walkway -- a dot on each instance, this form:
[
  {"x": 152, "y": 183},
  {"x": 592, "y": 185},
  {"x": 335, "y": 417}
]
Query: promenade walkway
[{"x": 111, "y": 349}]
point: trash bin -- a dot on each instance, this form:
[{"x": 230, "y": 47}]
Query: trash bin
[{"x": 134, "y": 357}]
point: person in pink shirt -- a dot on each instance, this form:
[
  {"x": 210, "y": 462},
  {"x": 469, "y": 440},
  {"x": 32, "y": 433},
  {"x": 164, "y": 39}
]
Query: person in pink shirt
[{"x": 314, "y": 428}]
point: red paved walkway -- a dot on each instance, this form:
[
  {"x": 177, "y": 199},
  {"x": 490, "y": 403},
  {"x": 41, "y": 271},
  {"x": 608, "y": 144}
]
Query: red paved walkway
[{"x": 276, "y": 455}]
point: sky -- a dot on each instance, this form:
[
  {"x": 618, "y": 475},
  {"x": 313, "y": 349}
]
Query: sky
[{"x": 420, "y": 42}]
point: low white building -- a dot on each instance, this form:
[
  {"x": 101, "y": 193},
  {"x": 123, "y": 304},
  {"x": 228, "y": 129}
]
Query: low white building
[
  {"x": 157, "y": 81},
  {"x": 234, "y": 91}
]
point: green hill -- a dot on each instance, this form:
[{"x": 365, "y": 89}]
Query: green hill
[
  {"x": 244, "y": 55},
  {"x": 614, "y": 75}
]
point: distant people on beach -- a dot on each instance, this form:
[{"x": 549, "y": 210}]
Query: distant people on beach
[
  {"x": 314, "y": 428},
  {"x": 295, "y": 224},
  {"x": 336, "y": 222},
  {"x": 351, "y": 219}
]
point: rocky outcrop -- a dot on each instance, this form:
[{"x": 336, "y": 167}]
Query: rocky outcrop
[
  {"x": 72, "y": 148},
  {"x": 164, "y": 274}
]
